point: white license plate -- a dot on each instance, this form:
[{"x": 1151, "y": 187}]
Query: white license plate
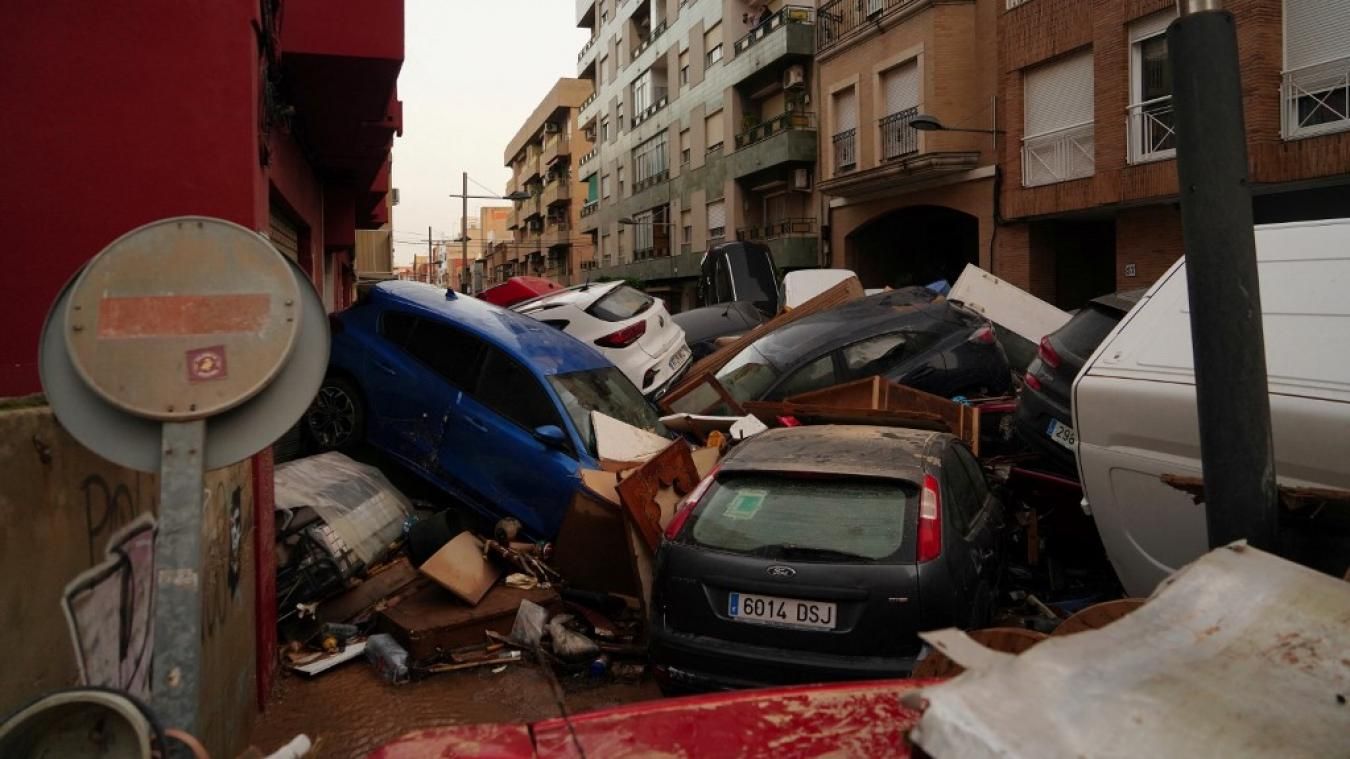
[
  {"x": 788, "y": 612},
  {"x": 1062, "y": 433},
  {"x": 677, "y": 360}
]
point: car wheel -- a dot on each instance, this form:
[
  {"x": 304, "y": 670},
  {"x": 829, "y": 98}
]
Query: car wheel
[{"x": 336, "y": 420}]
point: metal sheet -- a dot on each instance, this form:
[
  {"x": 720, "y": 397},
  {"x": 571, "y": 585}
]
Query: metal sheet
[
  {"x": 1241, "y": 653},
  {"x": 182, "y": 318}
]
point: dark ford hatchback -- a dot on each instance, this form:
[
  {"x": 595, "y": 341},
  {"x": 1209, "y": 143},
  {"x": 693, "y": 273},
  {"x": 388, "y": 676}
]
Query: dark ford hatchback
[{"x": 818, "y": 553}]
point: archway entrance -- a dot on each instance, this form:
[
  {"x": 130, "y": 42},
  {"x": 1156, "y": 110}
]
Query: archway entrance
[{"x": 913, "y": 246}]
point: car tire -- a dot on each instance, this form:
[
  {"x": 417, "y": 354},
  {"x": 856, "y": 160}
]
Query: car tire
[{"x": 336, "y": 419}]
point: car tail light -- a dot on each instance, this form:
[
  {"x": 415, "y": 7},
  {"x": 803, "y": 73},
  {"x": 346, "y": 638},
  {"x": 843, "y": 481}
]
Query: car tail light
[
  {"x": 984, "y": 335},
  {"x": 930, "y": 520},
  {"x": 687, "y": 505},
  {"x": 1047, "y": 353},
  {"x": 624, "y": 337},
  {"x": 1032, "y": 382}
]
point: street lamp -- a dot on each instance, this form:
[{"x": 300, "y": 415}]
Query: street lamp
[
  {"x": 928, "y": 123},
  {"x": 463, "y": 238}
]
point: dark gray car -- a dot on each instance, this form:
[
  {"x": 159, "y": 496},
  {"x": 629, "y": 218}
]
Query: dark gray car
[{"x": 818, "y": 553}]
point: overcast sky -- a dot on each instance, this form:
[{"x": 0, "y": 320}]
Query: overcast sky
[{"x": 472, "y": 74}]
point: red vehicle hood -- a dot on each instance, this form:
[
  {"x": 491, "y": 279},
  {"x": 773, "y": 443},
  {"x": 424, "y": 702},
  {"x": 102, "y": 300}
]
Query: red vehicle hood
[
  {"x": 516, "y": 289},
  {"x": 845, "y": 719}
]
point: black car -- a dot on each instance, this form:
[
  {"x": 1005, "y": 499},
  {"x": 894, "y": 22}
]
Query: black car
[
  {"x": 736, "y": 271},
  {"x": 1043, "y": 417},
  {"x": 818, "y": 553},
  {"x": 912, "y": 336},
  {"x": 704, "y": 326}
]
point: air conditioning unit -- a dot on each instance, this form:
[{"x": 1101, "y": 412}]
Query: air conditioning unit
[
  {"x": 552, "y": 128},
  {"x": 801, "y": 179},
  {"x": 794, "y": 78}
]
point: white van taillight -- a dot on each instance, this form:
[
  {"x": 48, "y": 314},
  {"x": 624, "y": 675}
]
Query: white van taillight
[
  {"x": 687, "y": 506},
  {"x": 930, "y": 520}
]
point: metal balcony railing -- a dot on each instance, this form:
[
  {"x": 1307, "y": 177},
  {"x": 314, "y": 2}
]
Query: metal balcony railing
[
  {"x": 838, "y": 21},
  {"x": 686, "y": 248},
  {"x": 898, "y": 138},
  {"x": 659, "y": 101},
  {"x": 656, "y": 251},
  {"x": 586, "y": 48},
  {"x": 791, "y": 14},
  {"x": 804, "y": 226},
  {"x": 590, "y": 208},
  {"x": 1316, "y": 100},
  {"x": 657, "y": 177},
  {"x": 1058, "y": 156},
  {"x": 642, "y": 47},
  {"x": 845, "y": 151},
  {"x": 772, "y": 126},
  {"x": 1152, "y": 130}
]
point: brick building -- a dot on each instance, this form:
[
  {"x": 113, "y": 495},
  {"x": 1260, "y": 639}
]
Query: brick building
[
  {"x": 1088, "y": 165},
  {"x": 907, "y": 206}
]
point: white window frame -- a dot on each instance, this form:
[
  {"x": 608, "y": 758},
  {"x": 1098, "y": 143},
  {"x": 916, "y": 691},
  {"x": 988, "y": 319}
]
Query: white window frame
[
  {"x": 1317, "y": 80},
  {"x": 1057, "y": 151},
  {"x": 1137, "y": 118}
]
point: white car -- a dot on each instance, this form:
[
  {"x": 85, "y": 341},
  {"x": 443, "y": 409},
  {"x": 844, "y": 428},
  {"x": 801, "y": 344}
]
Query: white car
[{"x": 632, "y": 329}]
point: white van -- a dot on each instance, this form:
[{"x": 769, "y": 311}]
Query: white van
[{"x": 1134, "y": 402}]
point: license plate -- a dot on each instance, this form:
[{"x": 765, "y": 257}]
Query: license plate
[
  {"x": 1062, "y": 433},
  {"x": 677, "y": 360},
  {"x": 788, "y": 612}
]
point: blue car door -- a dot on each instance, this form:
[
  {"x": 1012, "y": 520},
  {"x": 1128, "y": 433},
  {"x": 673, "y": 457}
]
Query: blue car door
[
  {"x": 407, "y": 398},
  {"x": 495, "y": 436}
]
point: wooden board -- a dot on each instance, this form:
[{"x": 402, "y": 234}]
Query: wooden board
[
  {"x": 1009, "y": 640},
  {"x": 371, "y": 591},
  {"x": 461, "y": 568},
  {"x": 591, "y": 552},
  {"x": 848, "y": 290},
  {"x": 432, "y": 621},
  {"x": 641, "y": 491}
]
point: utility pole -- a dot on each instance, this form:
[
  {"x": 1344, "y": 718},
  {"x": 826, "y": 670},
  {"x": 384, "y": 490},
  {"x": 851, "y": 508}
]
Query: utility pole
[
  {"x": 464, "y": 237},
  {"x": 429, "y": 254},
  {"x": 1221, "y": 274}
]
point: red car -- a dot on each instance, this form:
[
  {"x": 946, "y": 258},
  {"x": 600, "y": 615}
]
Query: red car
[
  {"x": 846, "y": 719},
  {"x": 517, "y": 289}
]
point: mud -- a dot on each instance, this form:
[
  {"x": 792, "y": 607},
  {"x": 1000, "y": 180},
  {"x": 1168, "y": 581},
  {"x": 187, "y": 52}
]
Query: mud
[{"x": 352, "y": 711}]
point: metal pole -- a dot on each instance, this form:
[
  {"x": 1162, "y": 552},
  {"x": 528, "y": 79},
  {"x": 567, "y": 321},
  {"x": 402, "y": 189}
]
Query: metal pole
[
  {"x": 178, "y": 605},
  {"x": 1225, "y": 297},
  {"x": 430, "y": 259},
  {"x": 464, "y": 239}
]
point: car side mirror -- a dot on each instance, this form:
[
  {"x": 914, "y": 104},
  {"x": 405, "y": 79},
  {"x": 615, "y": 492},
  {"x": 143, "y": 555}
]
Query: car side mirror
[{"x": 551, "y": 435}]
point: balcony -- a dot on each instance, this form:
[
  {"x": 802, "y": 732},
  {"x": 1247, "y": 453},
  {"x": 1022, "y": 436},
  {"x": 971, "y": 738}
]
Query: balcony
[
  {"x": 845, "y": 151},
  {"x": 1059, "y": 156},
  {"x": 1316, "y": 100},
  {"x": 590, "y": 208},
  {"x": 557, "y": 191},
  {"x": 793, "y": 241},
  {"x": 898, "y": 138},
  {"x": 659, "y": 100},
  {"x": 586, "y": 48},
  {"x": 791, "y": 14},
  {"x": 513, "y": 217},
  {"x": 651, "y": 181},
  {"x": 587, "y": 157},
  {"x": 558, "y": 233},
  {"x": 555, "y": 146},
  {"x": 1152, "y": 130},
  {"x": 785, "y": 138},
  {"x": 531, "y": 209},
  {"x": 642, "y": 46},
  {"x": 839, "y": 21}
]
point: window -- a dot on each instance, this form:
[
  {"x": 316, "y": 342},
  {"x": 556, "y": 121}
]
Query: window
[
  {"x": 620, "y": 117},
  {"x": 845, "y": 115},
  {"x": 717, "y": 221},
  {"x": 592, "y": 188},
  {"x": 396, "y": 326},
  {"x": 958, "y": 492},
  {"x": 607, "y": 391},
  {"x": 618, "y": 246},
  {"x": 715, "y": 54},
  {"x": 870, "y": 7},
  {"x": 642, "y": 92},
  {"x": 509, "y": 389},
  {"x": 883, "y": 354},
  {"x": 606, "y": 249},
  {"x": 1316, "y": 68},
  {"x": 650, "y": 160},
  {"x": 620, "y": 304},
  {"x": 900, "y": 90},
  {"x": 684, "y": 67},
  {"x": 605, "y": 186},
  {"x": 1152, "y": 133},
  {"x": 1058, "y": 142},
  {"x": 814, "y": 376},
  {"x": 604, "y": 129},
  {"x": 686, "y": 226},
  {"x": 712, "y": 42},
  {"x": 684, "y": 146},
  {"x": 619, "y": 174},
  {"x": 450, "y": 353},
  {"x": 643, "y": 239},
  {"x": 712, "y": 126}
]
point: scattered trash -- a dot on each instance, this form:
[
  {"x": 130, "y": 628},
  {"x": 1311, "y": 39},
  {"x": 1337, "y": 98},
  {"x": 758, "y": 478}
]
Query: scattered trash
[
  {"x": 568, "y": 644},
  {"x": 430, "y": 534},
  {"x": 506, "y": 530},
  {"x": 298, "y": 748},
  {"x": 499, "y": 670},
  {"x": 620, "y": 444},
  {"x": 460, "y": 567},
  {"x": 363, "y": 509},
  {"x": 598, "y": 667},
  {"x": 747, "y": 426},
  {"x": 508, "y": 657},
  {"x": 388, "y": 657},
  {"x": 316, "y": 664},
  {"x": 525, "y": 560},
  {"x": 628, "y": 670},
  {"x": 528, "y": 628},
  {"x": 521, "y": 581},
  {"x": 340, "y": 631}
]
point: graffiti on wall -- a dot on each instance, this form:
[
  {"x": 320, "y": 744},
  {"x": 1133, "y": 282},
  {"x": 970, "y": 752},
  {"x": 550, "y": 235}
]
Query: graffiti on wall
[{"x": 110, "y": 610}]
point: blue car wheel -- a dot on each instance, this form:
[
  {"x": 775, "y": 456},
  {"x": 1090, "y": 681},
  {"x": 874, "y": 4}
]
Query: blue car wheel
[{"x": 336, "y": 420}]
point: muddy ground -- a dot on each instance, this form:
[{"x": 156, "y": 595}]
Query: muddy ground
[{"x": 352, "y": 710}]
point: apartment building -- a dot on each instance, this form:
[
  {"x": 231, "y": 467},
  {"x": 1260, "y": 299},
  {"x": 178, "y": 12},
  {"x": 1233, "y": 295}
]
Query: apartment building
[
  {"x": 494, "y": 232},
  {"x": 540, "y": 156},
  {"x": 907, "y": 206},
  {"x": 704, "y": 128},
  {"x": 1088, "y": 161}
]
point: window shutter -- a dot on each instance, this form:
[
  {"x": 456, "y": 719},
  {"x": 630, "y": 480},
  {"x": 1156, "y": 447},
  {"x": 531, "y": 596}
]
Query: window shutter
[
  {"x": 1315, "y": 31},
  {"x": 901, "y": 87},
  {"x": 845, "y": 111},
  {"x": 1151, "y": 26},
  {"x": 717, "y": 214},
  {"x": 714, "y": 129},
  {"x": 1058, "y": 95}
]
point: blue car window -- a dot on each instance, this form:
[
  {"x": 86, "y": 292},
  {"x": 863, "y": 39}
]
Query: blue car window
[
  {"x": 454, "y": 355},
  {"x": 958, "y": 492},
  {"x": 397, "y": 327},
  {"x": 512, "y": 391}
]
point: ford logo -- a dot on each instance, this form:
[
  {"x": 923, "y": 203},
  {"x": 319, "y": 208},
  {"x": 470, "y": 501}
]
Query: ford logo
[{"x": 778, "y": 570}]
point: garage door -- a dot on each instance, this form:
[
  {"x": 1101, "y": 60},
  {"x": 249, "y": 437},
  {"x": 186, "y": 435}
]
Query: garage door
[{"x": 285, "y": 235}]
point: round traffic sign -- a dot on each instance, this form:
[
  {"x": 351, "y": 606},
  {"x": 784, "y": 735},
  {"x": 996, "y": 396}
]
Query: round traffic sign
[{"x": 182, "y": 318}]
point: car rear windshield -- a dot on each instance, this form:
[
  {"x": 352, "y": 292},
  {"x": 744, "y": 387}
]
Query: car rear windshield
[
  {"x": 805, "y": 519},
  {"x": 1086, "y": 330},
  {"x": 608, "y": 391},
  {"x": 620, "y": 304}
]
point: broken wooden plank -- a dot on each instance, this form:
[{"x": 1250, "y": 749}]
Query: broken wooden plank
[
  {"x": 591, "y": 552},
  {"x": 433, "y": 622},
  {"x": 371, "y": 591},
  {"x": 461, "y": 568},
  {"x": 672, "y": 472}
]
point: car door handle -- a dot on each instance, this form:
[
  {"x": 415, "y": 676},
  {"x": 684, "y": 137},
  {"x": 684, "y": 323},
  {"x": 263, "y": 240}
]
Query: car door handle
[{"x": 386, "y": 368}]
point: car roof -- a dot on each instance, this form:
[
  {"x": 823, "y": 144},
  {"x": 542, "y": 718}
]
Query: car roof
[
  {"x": 548, "y": 350},
  {"x": 855, "y": 320},
  {"x": 845, "y": 449}
]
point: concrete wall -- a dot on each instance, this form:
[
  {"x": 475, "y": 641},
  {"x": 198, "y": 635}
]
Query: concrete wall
[{"x": 59, "y": 504}]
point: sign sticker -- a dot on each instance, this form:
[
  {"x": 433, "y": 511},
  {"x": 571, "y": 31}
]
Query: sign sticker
[
  {"x": 206, "y": 364},
  {"x": 746, "y": 504}
]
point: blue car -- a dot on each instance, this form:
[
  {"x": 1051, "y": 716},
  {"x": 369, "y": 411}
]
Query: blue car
[{"x": 491, "y": 406}]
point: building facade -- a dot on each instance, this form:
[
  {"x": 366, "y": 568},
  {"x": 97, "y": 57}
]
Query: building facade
[
  {"x": 1088, "y": 164},
  {"x": 494, "y": 223},
  {"x": 906, "y": 206},
  {"x": 704, "y": 123},
  {"x": 541, "y": 159}
]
